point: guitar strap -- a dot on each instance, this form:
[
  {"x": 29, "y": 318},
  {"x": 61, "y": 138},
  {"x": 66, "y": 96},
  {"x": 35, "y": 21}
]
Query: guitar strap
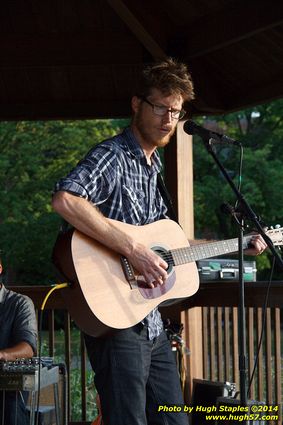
[
  {"x": 64, "y": 226},
  {"x": 166, "y": 197}
]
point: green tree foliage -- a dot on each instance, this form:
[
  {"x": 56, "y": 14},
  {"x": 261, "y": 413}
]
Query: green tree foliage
[
  {"x": 33, "y": 156},
  {"x": 260, "y": 131}
]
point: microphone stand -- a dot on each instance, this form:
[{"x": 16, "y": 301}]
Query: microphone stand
[{"x": 245, "y": 212}]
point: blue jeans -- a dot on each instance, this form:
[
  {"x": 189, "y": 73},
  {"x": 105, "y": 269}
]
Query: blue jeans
[
  {"x": 133, "y": 376},
  {"x": 15, "y": 412}
]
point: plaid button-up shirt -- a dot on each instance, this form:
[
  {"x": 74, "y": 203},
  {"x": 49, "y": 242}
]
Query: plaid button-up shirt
[{"x": 115, "y": 177}]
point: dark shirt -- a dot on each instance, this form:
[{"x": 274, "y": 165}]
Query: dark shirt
[
  {"x": 17, "y": 320},
  {"x": 115, "y": 177}
]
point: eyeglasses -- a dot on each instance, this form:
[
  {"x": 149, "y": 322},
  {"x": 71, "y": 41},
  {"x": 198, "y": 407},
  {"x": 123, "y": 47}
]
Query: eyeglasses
[{"x": 162, "y": 110}]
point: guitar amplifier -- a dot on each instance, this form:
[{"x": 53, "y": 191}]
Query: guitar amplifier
[
  {"x": 27, "y": 374},
  {"x": 204, "y": 398},
  {"x": 226, "y": 270}
]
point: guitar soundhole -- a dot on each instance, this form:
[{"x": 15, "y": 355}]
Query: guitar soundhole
[
  {"x": 166, "y": 256},
  {"x": 159, "y": 290}
]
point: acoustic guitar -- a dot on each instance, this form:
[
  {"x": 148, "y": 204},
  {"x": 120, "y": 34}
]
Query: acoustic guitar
[{"x": 105, "y": 293}]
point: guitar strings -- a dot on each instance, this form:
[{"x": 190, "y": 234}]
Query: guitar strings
[{"x": 192, "y": 253}]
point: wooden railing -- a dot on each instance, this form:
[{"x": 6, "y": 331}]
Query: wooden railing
[
  {"x": 218, "y": 332},
  {"x": 218, "y": 335}
]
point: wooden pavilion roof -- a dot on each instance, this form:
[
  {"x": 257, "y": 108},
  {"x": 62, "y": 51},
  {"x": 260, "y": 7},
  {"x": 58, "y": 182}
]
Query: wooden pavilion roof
[{"x": 81, "y": 58}]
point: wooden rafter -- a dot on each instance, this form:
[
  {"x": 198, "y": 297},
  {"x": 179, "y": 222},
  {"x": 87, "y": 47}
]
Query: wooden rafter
[
  {"x": 232, "y": 25},
  {"x": 137, "y": 28}
]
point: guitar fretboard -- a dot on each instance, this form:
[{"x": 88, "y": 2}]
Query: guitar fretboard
[{"x": 213, "y": 249}]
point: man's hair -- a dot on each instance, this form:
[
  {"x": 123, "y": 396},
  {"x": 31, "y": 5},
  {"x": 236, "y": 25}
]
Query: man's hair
[{"x": 168, "y": 76}]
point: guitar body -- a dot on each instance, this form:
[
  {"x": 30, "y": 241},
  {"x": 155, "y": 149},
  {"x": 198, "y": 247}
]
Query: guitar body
[{"x": 100, "y": 299}]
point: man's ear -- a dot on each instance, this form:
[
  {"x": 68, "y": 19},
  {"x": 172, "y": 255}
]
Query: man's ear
[
  {"x": 136, "y": 101},
  {"x": 1, "y": 268}
]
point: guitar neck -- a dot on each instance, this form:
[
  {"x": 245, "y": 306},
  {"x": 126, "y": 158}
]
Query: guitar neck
[{"x": 213, "y": 249}]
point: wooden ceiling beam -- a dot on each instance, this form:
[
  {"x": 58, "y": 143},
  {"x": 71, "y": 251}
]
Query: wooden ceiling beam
[
  {"x": 233, "y": 24},
  {"x": 68, "y": 49},
  {"x": 64, "y": 110},
  {"x": 262, "y": 92},
  {"x": 137, "y": 29}
]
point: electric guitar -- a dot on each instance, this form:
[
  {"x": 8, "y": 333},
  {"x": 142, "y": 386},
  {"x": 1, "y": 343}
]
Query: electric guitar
[{"x": 105, "y": 293}]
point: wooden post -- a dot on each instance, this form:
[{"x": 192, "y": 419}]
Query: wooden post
[{"x": 178, "y": 158}]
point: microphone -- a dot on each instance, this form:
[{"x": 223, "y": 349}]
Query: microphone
[{"x": 190, "y": 127}]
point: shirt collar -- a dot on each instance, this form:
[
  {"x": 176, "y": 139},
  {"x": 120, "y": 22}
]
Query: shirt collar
[
  {"x": 135, "y": 149},
  {"x": 2, "y": 293}
]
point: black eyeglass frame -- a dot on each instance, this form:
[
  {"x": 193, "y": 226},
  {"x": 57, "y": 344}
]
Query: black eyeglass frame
[{"x": 176, "y": 114}]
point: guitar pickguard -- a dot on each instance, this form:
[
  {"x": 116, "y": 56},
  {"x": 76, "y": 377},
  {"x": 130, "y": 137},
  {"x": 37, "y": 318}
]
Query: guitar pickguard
[{"x": 159, "y": 290}]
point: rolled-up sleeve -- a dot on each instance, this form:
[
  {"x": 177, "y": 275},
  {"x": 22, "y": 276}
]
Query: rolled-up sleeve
[
  {"x": 94, "y": 177},
  {"x": 25, "y": 324}
]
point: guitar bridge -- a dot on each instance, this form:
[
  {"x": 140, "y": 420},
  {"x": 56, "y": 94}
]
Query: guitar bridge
[{"x": 128, "y": 271}]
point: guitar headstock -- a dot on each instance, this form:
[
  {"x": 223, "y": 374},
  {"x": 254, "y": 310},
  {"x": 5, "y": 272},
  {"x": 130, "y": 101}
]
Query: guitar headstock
[{"x": 276, "y": 235}]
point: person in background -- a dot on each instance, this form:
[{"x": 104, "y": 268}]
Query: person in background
[
  {"x": 135, "y": 370},
  {"x": 18, "y": 339}
]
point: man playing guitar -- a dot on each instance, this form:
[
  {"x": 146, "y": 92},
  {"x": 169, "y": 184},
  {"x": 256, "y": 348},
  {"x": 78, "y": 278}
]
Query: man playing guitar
[{"x": 135, "y": 370}]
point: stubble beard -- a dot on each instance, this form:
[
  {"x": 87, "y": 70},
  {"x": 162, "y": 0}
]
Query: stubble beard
[{"x": 148, "y": 137}]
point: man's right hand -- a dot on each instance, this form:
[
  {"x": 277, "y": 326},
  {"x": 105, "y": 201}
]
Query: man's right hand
[{"x": 150, "y": 265}]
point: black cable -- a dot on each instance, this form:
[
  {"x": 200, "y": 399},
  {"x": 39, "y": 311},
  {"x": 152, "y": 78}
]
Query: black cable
[
  {"x": 263, "y": 326},
  {"x": 240, "y": 172},
  {"x": 39, "y": 367}
]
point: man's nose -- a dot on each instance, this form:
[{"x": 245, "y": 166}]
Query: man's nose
[{"x": 168, "y": 116}]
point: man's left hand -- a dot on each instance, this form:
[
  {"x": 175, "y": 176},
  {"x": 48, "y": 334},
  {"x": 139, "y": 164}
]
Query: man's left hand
[{"x": 259, "y": 245}]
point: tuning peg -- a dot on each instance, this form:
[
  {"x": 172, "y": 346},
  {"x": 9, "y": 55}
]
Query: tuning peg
[{"x": 277, "y": 226}]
